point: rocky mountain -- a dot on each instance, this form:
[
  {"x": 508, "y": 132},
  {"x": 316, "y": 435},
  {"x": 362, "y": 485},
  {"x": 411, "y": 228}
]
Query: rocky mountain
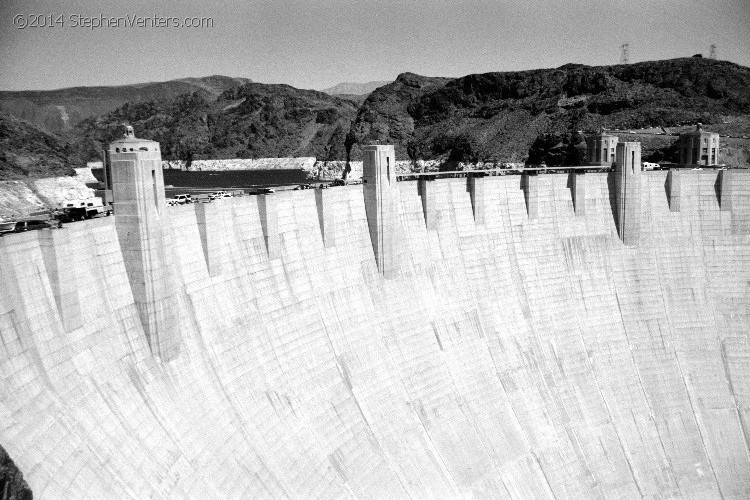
[
  {"x": 353, "y": 88},
  {"x": 533, "y": 116},
  {"x": 61, "y": 110},
  {"x": 500, "y": 116},
  {"x": 250, "y": 121},
  {"x": 27, "y": 151}
]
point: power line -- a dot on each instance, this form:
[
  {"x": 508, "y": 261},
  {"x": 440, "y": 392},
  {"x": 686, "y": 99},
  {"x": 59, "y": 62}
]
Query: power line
[{"x": 625, "y": 53}]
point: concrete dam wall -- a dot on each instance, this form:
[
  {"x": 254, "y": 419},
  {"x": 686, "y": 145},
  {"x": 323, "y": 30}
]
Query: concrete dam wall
[{"x": 519, "y": 349}]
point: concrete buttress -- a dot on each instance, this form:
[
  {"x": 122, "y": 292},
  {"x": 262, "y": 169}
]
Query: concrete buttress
[{"x": 139, "y": 203}]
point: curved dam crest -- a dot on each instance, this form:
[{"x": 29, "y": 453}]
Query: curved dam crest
[{"x": 520, "y": 354}]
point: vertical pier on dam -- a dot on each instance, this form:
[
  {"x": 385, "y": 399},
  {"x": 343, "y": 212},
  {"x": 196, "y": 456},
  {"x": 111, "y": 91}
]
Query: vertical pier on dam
[
  {"x": 530, "y": 187},
  {"x": 475, "y": 186},
  {"x": 726, "y": 189},
  {"x": 674, "y": 189},
  {"x": 325, "y": 205},
  {"x": 269, "y": 220},
  {"x": 139, "y": 203},
  {"x": 578, "y": 193},
  {"x": 379, "y": 178},
  {"x": 428, "y": 194},
  {"x": 59, "y": 260},
  {"x": 628, "y": 191}
]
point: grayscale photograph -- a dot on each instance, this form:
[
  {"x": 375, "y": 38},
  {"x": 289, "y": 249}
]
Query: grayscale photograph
[{"x": 338, "y": 249}]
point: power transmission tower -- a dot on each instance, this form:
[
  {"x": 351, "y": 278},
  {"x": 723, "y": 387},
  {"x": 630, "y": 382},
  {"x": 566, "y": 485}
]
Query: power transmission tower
[
  {"x": 625, "y": 54},
  {"x": 712, "y": 54}
]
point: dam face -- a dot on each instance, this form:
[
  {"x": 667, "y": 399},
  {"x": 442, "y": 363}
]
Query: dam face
[{"x": 519, "y": 350}]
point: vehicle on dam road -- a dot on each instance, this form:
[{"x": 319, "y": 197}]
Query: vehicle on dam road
[
  {"x": 75, "y": 210},
  {"x": 202, "y": 198},
  {"x": 183, "y": 198},
  {"x": 7, "y": 227},
  {"x": 220, "y": 194},
  {"x": 26, "y": 225}
]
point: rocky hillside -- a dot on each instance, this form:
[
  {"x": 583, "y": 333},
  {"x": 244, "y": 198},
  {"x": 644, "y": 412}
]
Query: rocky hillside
[
  {"x": 532, "y": 116},
  {"x": 27, "y": 151},
  {"x": 503, "y": 115},
  {"x": 60, "y": 110},
  {"x": 12, "y": 484},
  {"x": 254, "y": 120}
]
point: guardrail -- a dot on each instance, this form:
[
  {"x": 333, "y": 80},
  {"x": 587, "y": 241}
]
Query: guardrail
[{"x": 505, "y": 171}]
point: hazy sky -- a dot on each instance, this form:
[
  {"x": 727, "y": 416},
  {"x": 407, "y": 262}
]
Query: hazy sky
[{"x": 318, "y": 43}]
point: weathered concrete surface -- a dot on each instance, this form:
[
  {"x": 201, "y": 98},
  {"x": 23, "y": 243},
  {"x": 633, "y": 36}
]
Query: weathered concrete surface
[{"x": 518, "y": 358}]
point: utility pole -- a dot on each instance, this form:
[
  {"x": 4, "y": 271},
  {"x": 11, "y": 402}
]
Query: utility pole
[
  {"x": 712, "y": 54},
  {"x": 625, "y": 53}
]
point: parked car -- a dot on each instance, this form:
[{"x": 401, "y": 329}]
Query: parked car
[
  {"x": 183, "y": 198},
  {"x": 303, "y": 186},
  {"x": 338, "y": 182},
  {"x": 265, "y": 191},
  {"x": 31, "y": 225},
  {"x": 204, "y": 198},
  {"x": 94, "y": 207},
  {"x": 221, "y": 194},
  {"x": 7, "y": 227}
]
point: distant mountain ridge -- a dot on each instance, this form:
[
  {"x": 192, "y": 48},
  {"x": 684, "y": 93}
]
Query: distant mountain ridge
[
  {"x": 249, "y": 121},
  {"x": 353, "y": 88},
  {"x": 61, "y": 110},
  {"x": 526, "y": 116},
  {"x": 504, "y": 116}
]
